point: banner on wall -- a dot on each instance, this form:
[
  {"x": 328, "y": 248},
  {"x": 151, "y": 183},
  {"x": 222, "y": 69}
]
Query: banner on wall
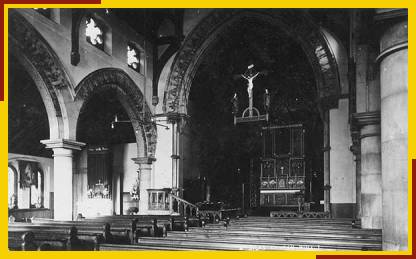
[{"x": 28, "y": 173}]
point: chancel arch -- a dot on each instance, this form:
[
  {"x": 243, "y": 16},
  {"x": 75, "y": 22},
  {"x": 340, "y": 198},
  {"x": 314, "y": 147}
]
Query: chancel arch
[
  {"x": 297, "y": 24},
  {"x": 324, "y": 54},
  {"x": 289, "y": 79}
]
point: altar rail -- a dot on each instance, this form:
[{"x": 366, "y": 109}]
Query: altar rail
[{"x": 181, "y": 206}]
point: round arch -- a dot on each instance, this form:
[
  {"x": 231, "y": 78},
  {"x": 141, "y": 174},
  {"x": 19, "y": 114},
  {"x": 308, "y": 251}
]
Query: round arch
[
  {"x": 296, "y": 24},
  {"x": 132, "y": 100},
  {"x": 43, "y": 65}
]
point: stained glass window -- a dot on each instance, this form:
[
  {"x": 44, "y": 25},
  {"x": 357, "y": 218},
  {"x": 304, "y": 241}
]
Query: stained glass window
[
  {"x": 133, "y": 57},
  {"x": 94, "y": 33}
]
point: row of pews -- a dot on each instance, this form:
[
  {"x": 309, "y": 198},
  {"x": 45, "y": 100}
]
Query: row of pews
[
  {"x": 208, "y": 233},
  {"x": 88, "y": 234},
  {"x": 259, "y": 233}
]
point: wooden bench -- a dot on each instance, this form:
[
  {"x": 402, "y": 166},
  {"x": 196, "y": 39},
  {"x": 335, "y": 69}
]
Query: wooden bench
[
  {"x": 57, "y": 240},
  {"x": 138, "y": 226},
  {"x": 89, "y": 234}
]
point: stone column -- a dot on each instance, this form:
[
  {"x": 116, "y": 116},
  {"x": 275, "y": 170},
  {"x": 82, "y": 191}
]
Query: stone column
[
  {"x": 175, "y": 158},
  {"x": 341, "y": 164},
  {"x": 394, "y": 128},
  {"x": 366, "y": 120},
  {"x": 178, "y": 122},
  {"x": 369, "y": 122},
  {"x": 326, "y": 151},
  {"x": 144, "y": 173},
  {"x": 356, "y": 150},
  {"x": 63, "y": 168}
]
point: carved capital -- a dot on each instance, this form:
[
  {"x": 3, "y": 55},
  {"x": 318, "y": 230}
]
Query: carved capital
[
  {"x": 143, "y": 160},
  {"x": 63, "y": 143},
  {"x": 175, "y": 117}
]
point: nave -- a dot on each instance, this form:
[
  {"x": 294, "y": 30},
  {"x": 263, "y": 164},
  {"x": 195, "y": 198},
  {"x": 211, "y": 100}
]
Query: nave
[{"x": 181, "y": 233}]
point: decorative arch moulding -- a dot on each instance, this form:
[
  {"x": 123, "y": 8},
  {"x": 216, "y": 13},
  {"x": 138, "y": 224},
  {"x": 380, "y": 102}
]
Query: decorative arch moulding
[
  {"x": 138, "y": 110},
  {"x": 7, "y": 2},
  {"x": 298, "y": 25},
  {"x": 24, "y": 39}
]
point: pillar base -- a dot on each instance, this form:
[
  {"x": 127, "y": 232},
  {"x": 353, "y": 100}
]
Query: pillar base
[
  {"x": 393, "y": 247},
  {"x": 342, "y": 210}
]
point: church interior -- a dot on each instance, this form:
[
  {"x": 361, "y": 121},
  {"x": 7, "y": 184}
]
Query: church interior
[{"x": 207, "y": 129}]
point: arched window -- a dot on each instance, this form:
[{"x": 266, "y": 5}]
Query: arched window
[
  {"x": 94, "y": 33},
  {"x": 133, "y": 57},
  {"x": 12, "y": 188}
]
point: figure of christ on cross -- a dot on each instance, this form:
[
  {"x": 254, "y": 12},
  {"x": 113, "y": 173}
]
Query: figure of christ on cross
[{"x": 250, "y": 75}]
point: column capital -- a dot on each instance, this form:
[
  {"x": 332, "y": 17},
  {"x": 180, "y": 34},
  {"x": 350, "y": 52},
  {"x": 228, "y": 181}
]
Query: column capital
[
  {"x": 174, "y": 117},
  {"x": 366, "y": 118},
  {"x": 62, "y": 143},
  {"x": 143, "y": 160},
  {"x": 393, "y": 29}
]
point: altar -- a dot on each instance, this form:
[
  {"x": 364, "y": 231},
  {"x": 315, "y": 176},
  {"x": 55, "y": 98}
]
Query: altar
[{"x": 282, "y": 167}]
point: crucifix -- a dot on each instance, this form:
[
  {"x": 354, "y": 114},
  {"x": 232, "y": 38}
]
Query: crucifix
[
  {"x": 251, "y": 113},
  {"x": 250, "y": 75}
]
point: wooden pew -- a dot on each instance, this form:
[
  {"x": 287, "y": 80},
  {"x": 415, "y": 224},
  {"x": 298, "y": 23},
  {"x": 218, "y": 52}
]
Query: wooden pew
[
  {"x": 247, "y": 234},
  {"x": 68, "y": 240},
  {"x": 137, "y": 228},
  {"x": 90, "y": 233}
]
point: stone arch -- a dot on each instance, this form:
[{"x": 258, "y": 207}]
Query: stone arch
[
  {"x": 132, "y": 100},
  {"x": 296, "y": 23},
  {"x": 45, "y": 68}
]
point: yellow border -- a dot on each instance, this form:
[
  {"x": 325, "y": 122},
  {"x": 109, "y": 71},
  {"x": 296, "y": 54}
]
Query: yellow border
[{"x": 208, "y": 4}]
